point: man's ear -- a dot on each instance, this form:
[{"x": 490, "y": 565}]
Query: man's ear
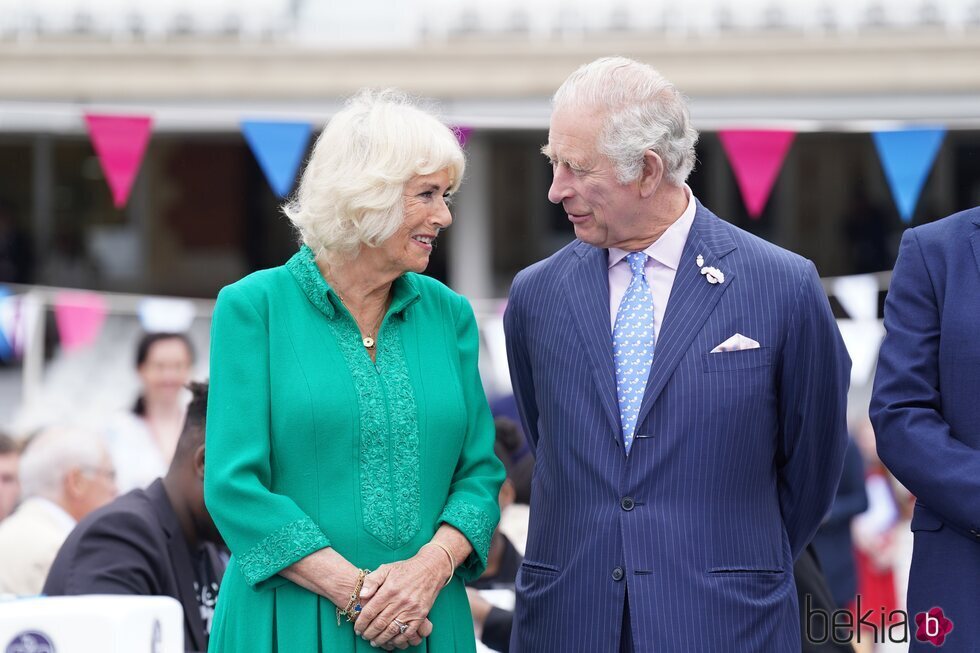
[
  {"x": 199, "y": 462},
  {"x": 74, "y": 482},
  {"x": 651, "y": 174}
]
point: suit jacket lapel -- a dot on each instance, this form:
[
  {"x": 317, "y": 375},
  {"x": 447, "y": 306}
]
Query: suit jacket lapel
[
  {"x": 692, "y": 299},
  {"x": 180, "y": 560},
  {"x": 587, "y": 285}
]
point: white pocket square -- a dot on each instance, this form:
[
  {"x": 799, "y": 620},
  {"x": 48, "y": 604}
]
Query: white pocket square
[{"x": 737, "y": 342}]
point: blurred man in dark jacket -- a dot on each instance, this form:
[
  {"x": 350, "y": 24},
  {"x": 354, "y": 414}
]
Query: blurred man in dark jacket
[{"x": 160, "y": 541}]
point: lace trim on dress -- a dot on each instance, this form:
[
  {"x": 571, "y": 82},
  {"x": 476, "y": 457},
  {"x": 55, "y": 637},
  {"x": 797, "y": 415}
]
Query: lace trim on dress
[
  {"x": 474, "y": 524},
  {"x": 303, "y": 267},
  {"x": 389, "y": 445},
  {"x": 280, "y": 549},
  {"x": 389, "y": 431}
]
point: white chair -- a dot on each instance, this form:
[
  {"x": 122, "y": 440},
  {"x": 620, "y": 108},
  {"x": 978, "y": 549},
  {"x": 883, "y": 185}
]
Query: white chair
[{"x": 92, "y": 624}]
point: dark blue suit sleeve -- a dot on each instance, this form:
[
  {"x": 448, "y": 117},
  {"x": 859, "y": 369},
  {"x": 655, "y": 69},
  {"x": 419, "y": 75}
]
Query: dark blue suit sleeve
[
  {"x": 520, "y": 364},
  {"x": 914, "y": 439},
  {"x": 815, "y": 374},
  {"x": 852, "y": 496}
]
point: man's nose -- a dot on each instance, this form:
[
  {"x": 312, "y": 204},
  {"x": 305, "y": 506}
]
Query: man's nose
[{"x": 560, "y": 188}]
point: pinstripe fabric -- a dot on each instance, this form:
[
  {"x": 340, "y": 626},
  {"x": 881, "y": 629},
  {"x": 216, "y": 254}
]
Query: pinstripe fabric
[{"x": 735, "y": 460}]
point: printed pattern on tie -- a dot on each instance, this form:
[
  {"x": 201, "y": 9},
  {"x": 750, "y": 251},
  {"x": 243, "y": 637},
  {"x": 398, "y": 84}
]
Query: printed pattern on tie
[{"x": 633, "y": 342}]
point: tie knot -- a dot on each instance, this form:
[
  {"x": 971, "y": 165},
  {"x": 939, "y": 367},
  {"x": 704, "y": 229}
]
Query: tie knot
[{"x": 637, "y": 260}]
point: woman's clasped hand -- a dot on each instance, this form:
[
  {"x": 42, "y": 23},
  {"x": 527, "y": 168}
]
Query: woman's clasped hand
[{"x": 396, "y": 599}]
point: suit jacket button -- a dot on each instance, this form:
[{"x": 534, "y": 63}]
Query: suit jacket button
[
  {"x": 627, "y": 503},
  {"x": 618, "y": 573}
]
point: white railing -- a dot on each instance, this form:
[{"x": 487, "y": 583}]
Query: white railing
[
  {"x": 550, "y": 18},
  {"x": 377, "y": 23},
  {"x": 144, "y": 19}
]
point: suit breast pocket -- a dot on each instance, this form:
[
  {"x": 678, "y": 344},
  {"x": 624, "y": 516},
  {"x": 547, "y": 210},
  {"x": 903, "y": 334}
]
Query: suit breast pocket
[{"x": 737, "y": 360}]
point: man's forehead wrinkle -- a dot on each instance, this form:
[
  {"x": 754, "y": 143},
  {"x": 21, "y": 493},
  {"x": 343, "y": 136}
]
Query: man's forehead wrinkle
[{"x": 569, "y": 150}]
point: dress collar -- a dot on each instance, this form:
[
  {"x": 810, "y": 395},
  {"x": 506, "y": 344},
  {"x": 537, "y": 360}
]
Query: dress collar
[{"x": 304, "y": 269}]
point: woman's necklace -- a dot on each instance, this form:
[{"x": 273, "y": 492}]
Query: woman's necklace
[{"x": 367, "y": 339}]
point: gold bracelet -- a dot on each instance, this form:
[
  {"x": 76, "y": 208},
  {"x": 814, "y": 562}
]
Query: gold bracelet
[
  {"x": 353, "y": 604},
  {"x": 452, "y": 560}
]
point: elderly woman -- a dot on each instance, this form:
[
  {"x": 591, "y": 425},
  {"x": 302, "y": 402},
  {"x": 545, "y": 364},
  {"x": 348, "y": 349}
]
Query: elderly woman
[{"x": 350, "y": 463}]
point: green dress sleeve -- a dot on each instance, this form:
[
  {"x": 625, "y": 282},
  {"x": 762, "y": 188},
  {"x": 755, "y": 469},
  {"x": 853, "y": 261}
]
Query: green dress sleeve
[
  {"x": 265, "y": 531},
  {"x": 472, "y": 505}
]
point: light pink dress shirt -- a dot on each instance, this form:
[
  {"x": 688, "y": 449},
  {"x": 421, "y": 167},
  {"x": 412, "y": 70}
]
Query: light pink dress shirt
[{"x": 661, "y": 267}]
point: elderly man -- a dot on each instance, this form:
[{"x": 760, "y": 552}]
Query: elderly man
[
  {"x": 160, "y": 541},
  {"x": 9, "y": 475},
  {"x": 65, "y": 474},
  {"x": 683, "y": 384}
]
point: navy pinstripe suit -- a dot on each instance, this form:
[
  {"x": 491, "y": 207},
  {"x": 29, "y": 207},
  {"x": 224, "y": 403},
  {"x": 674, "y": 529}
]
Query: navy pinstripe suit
[{"x": 735, "y": 462}]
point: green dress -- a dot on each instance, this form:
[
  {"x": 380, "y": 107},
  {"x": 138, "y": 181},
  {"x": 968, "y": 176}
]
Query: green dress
[{"x": 310, "y": 444}]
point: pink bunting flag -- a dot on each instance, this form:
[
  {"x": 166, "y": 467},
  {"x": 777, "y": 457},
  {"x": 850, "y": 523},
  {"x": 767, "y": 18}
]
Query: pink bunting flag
[
  {"x": 119, "y": 142},
  {"x": 79, "y": 316},
  {"x": 756, "y": 157},
  {"x": 462, "y": 134}
]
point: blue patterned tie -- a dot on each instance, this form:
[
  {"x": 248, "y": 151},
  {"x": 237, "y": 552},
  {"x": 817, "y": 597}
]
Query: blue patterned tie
[{"x": 633, "y": 346}]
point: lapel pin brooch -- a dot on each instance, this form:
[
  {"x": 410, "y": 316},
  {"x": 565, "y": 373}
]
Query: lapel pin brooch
[{"x": 713, "y": 275}]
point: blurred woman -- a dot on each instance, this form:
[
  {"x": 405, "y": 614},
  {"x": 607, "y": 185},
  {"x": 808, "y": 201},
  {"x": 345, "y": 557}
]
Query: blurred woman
[
  {"x": 350, "y": 463},
  {"x": 143, "y": 439}
]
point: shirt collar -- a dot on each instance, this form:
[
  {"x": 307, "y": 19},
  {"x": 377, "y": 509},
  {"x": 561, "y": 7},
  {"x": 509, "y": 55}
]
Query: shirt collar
[{"x": 667, "y": 249}]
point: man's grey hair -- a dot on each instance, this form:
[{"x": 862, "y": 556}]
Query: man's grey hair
[
  {"x": 641, "y": 111},
  {"x": 52, "y": 454}
]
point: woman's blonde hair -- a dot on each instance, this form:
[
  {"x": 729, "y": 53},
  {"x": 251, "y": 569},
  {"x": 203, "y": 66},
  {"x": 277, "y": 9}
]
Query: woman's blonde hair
[{"x": 350, "y": 193}]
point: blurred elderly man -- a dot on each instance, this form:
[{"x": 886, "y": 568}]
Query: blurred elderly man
[
  {"x": 65, "y": 474},
  {"x": 9, "y": 475}
]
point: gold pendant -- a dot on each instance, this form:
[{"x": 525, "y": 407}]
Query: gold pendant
[{"x": 368, "y": 342}]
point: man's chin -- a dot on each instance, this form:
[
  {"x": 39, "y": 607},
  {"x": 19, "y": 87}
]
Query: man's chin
[{"x": 588, "y": 236}]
